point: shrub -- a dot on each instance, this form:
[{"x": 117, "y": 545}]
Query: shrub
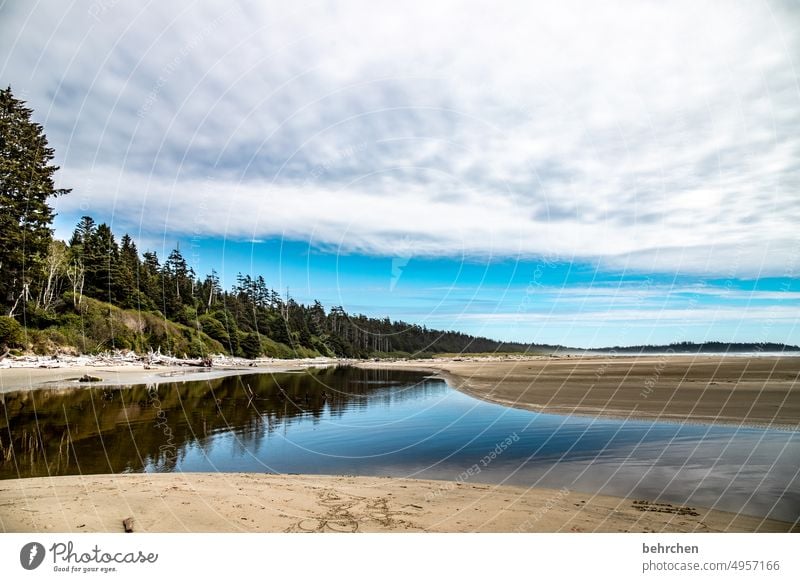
[
  {"x": 11, "y": 334},
  {"x": 303, "y": 352},
  {"x": 40, "y": 343},
  {"x": 215, "y": 329},
  {"x": 187, "y": 316},
  {"x": 273, "y": 349},
  {"x": 251, "y": 346},
  {"x": 39, "y": 318}
]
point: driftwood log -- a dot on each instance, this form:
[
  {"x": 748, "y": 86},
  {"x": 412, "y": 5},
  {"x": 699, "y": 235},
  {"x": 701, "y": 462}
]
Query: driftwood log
[{"x": 158, "y": 358}]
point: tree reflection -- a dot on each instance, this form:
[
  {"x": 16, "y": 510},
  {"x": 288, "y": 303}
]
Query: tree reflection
[{"x": 65, "y": 431}]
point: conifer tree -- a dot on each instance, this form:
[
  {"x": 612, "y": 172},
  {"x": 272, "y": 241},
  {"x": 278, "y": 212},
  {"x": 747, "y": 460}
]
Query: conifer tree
[
  {"x": 126, "y": 286},
  {"x": 26, "y": 183},
  {"x": 100, "y": 256}
]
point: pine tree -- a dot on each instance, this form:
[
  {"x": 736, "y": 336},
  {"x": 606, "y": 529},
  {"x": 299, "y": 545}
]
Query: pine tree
[
  {"x": 26, "y": 183},
  {"x": 100, "y": 257},
  {"x": 126, "y": 286},
  {"x": 178, "y": 288},
  {"x": 210, "y": 291},
  {"x": 84, "y": 231},
  {"x": 150, "y": 279}
]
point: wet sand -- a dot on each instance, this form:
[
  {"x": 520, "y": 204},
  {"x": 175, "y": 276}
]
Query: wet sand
[
  {"x": 235, "y": 502},
  {"x": 25, "y": 378},
  {"x": 747, "y": 391},
  {"x": 738, "y": 390}
]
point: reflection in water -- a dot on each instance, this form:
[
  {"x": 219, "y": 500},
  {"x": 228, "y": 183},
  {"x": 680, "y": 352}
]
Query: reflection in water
[
  {"x": 105, "y": 430},
  {"x": 381, "y": 422}
]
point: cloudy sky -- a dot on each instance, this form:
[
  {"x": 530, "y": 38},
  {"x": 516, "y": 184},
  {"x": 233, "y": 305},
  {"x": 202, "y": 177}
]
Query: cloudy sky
[{"x": 577, "y": 172}]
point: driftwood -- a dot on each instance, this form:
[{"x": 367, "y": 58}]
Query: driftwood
[
  {"x": 170, "y": 361},
  {"x": 147, "y": 361},
  {"x": 158, "y": 358},
  {"x": 114, "y": 358}
]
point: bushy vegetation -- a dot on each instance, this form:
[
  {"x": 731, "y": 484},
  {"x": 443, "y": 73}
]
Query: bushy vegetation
[
  {"x": 91, "y": 326},
  {"x": 11, "y": 334},
  {"x": 104, "y": 296},
  {"x": 93, "y": 293}
]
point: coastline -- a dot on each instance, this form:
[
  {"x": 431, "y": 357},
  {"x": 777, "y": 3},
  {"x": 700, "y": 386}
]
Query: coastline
[
  {"x": 750, "y": 392},
  {"x": 275, "y": 503},
  {"x": 236, "y": 502},
  {"x": 754, "y": 392},
  {"x": 67, "y": 375}
]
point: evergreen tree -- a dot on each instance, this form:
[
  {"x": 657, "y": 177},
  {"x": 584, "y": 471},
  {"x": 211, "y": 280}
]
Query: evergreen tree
[
  {"x": 150, "y": 279},
  {"x": 26, "y": 182},
  {"x": 250, "y": 319},
  {"x": 100, "y": 258},
  {"x": 126, "y": 285},
  {"x": 178, "y": 288},
  {"x": 83, "y": 232},
  {"x": 210, "y": 291}
]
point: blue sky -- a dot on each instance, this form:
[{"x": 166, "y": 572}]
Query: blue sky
[{"x": 588, "y": 174}]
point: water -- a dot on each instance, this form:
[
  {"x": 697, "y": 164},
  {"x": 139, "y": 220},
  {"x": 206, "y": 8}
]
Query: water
[{"x": 395, "y": 423}]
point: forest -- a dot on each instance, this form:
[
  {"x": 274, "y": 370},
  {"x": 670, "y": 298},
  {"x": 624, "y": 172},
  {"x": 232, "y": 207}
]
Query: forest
[
  {"x": 712, "y": 347},
  {"x": 97, "y": 293}
]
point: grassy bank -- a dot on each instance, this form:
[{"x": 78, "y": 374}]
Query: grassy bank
[{"x": 90, "y": 326}]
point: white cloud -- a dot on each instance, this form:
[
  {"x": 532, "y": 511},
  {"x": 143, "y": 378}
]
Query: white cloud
[
  {"x": 641, "y": 135},
  {"x": 701, "y": 316}
]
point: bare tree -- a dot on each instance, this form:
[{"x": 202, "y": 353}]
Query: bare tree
[
  {"x": 55, "y": 266},
  {"x": 76, "y": 275},
  {"x": 24, "y": 295}
]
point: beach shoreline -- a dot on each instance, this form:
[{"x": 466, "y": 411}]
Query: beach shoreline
[
  {"x": 246, "y": 502},
  {"x": 760, "y": 392},
  {"x": 66, "y": 374},
  {"x": 750, "y": 392},
  {"x": 212, "y": 502}
]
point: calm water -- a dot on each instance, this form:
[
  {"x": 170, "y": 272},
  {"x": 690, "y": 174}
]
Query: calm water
[{"x": 379, "y": 422}]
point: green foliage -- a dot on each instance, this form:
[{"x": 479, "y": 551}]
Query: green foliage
[
  {"x": 187, "y": 315},
  {"x": 117, "y": 299},
  {"x": 322, "y": 346},
  {"x": 41, "y": 342},
  {"x": 26, "y": 182},
  {"x": 40, "y": 318},
  {"x": 95, "y": 326},
  {"x": 198, "y": 317},
  {"x": 250, "y": 345},
  {"x": 214, "y": 328},
  {"x": 11, "y": 333},
  {"x": 303, "y": 352},
  {"x": 272, "y": 349}
]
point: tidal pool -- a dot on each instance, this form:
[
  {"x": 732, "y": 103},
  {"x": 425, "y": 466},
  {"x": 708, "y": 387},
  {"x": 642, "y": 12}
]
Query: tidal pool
[{"x": 395, "y": 423}]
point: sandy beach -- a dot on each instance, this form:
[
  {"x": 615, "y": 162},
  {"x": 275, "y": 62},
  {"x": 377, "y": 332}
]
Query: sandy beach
[
  {"x": 66, "y": 374},
  {"x": 747, "y": 391},
  {"x": 739, "y": 390},
  {"x": 225, "y": 502}
]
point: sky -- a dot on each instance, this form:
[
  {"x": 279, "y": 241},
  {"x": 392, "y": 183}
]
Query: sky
[{"x": 579, "y": 173}]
